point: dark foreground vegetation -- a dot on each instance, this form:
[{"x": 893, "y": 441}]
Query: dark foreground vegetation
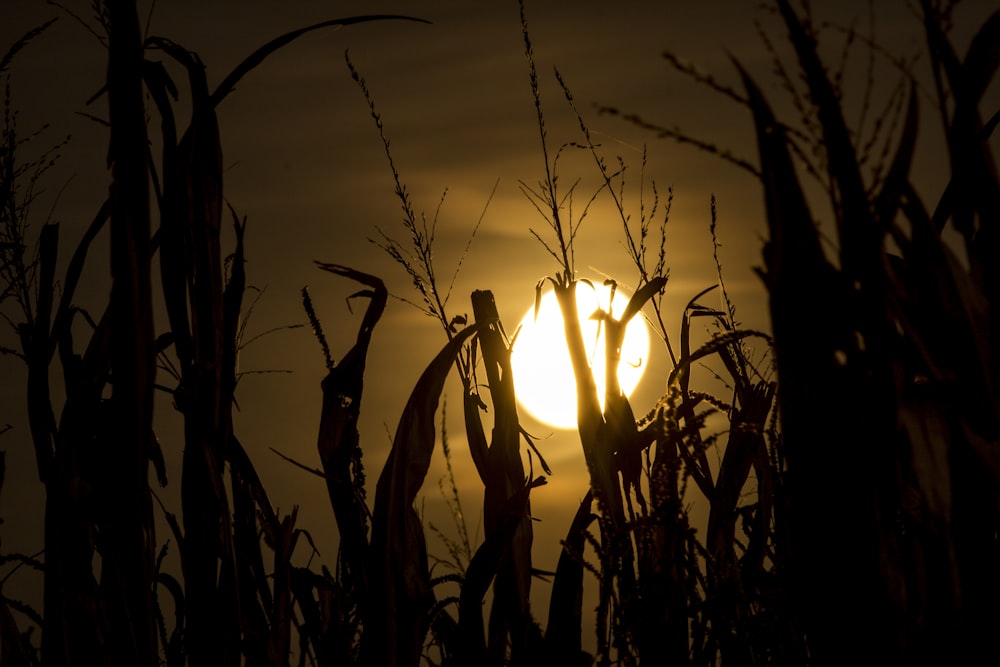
[{"x": 853, "y": 517}]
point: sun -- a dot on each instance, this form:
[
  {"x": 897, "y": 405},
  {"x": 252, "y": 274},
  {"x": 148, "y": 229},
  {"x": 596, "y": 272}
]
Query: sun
[{"x": 543, "y": 374}]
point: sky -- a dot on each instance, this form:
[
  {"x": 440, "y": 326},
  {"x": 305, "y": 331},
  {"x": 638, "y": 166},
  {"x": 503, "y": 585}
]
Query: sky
[{"x": 305, "y": 165}]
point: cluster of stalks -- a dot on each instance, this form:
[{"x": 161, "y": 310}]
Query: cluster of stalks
[
  {"x": 904, "y": 536},
  {"x": 885, "y": 353},
  {"x": 889, "y": 351}
]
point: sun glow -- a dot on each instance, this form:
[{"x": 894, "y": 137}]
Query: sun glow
[{"x": 543, "y": 374}]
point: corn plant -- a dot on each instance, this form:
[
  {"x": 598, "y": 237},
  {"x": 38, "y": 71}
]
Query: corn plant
[
  {"x": 665, "y": 594},
  {"x": 903, "y": 535},
  {"x": 878, "y": 369},
  {"x": 503, "y": 561},
  {"x": 94, "y": 460}
]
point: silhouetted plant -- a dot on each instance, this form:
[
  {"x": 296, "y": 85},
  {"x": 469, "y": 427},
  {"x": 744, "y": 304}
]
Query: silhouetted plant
[
  {"x": 884, "y": 349},
  {"x": 903, "y": 534}
]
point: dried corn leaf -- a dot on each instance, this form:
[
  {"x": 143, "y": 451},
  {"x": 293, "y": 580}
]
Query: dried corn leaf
[
  {"x": 564, "y": 632},
  {"x": 338, "y": 440},
  {"x": 400, "y": 597},
  {"x": 484, "y": 566},
  {"x": 860, "y": 239},
  {"x": 258, "y": 56},
  {"x": 887, "y": 202}
]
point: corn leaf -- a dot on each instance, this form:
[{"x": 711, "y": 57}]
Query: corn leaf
[
  {"x": 38, "y": 349},
  {"x": 171, "y": 234},
  {"x": 564, "y": 631},
  {"x": 474, "y": 431},
  {"x": 886, "y": 204},
  {"x": 74, "y": 270},
  {"x": 258, "y": 56},
  {"x": 250, "y": 505},
  {"x": 981, "y": 60},
  {"x": 338, "y": 440},
  {"x": 400, "y": 597},
  {"x": 639, "y": 299},
  {"x": 483, "y": 567},
  {"x": 860, "y": 239}
]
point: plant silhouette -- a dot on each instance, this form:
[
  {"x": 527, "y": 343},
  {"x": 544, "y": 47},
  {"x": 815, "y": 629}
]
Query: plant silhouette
[{"x": 851, "y": 500}]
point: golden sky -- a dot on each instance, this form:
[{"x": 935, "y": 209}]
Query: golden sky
[{"x": 306, "y": 167}]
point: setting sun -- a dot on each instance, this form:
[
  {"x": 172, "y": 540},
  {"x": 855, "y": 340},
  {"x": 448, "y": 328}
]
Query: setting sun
[{"x": 543, "y": 375}]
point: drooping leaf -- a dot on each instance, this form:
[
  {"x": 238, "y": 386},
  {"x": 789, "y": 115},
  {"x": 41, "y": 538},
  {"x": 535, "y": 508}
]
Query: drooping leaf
[
  {"x": 639, "y": 299},
  {"x": 338, "y": 440},
  {"x": 744, "y": 446},
  {"x": 693, "y": 309},
  {"x": 258, "y": 56}
]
